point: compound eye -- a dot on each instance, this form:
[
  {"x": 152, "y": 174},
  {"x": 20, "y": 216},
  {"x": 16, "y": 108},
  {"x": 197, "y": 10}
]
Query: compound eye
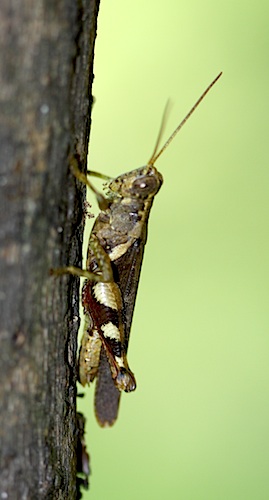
[{"x": 145, "y": 186}]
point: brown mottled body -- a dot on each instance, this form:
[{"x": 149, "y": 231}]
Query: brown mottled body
[{"x": 116, "y": 244}]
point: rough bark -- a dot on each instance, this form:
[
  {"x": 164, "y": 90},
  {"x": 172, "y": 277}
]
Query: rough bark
[{"x": 45, "y": 100}]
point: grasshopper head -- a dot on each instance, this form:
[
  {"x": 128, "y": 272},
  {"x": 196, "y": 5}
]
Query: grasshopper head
[{"x": 141, "y": 183}]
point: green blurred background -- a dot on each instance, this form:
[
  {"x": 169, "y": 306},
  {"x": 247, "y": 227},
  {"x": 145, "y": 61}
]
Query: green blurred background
[{"x": 197, "y": 426}]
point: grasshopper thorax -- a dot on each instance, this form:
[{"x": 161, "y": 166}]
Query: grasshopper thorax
[{"x": 142, "y": 183}]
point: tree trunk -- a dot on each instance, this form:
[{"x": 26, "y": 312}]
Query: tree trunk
[{"x": 45, "y": 100}]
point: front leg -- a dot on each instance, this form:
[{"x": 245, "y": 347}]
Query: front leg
[{"x": 104, "y": 273}]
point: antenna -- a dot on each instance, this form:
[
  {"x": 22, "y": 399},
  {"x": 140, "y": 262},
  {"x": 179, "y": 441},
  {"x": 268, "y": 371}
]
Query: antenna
[{"x": 155, "y": 156}]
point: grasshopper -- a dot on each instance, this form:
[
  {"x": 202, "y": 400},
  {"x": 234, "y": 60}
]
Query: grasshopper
[{"x": 114, "y": 259}]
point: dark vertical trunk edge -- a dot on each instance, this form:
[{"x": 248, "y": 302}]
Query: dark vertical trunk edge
[{"x": 45, "y": 101}]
